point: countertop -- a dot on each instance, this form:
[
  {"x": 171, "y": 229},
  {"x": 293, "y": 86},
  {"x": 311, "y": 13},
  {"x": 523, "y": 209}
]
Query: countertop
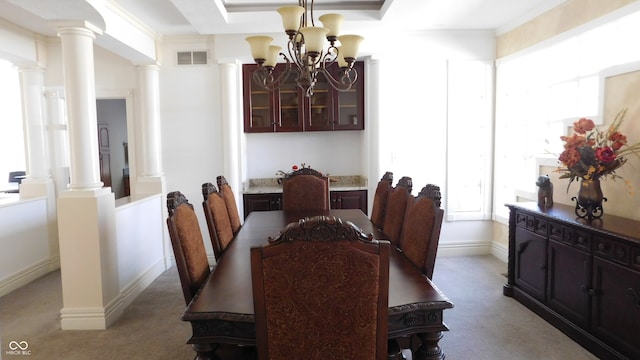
[{"x": 338, "y": 183}]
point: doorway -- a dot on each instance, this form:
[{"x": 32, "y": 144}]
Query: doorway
[{"x": 113, "y": 145}]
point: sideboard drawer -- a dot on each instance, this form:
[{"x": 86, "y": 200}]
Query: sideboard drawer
[
  {"x": 532, "y": 223},
  {"x": 613, "y": 249},
  {"x": 577, "y": 238}
]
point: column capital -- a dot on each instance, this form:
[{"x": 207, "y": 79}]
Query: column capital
[
  {"x": 32, "y": 68},
  {"x": 77, "y": 27}
]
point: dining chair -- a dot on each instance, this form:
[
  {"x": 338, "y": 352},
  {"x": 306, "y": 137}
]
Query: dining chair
[
  {"x": 320, "y": 291},
  {"x": 305, "y": 189},
  {"x": 396, "y": 206},
  {"x": 187, "y": 243},
  {"x": 230, "y": 201},
  {"x": 421, "y": 229},
  {"x": 217, "y": 216},
  {"x": 380, "y": 199}
]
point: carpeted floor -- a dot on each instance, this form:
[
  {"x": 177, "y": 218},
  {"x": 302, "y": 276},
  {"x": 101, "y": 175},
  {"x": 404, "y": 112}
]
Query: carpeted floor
[{"x": 484, "y": 324}]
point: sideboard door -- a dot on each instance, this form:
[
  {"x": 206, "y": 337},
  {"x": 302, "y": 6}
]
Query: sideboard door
[
  {"x": 616, "y": 306},
  {"x": 530, "y": 264},
  {"x": 569, "y": 283}
]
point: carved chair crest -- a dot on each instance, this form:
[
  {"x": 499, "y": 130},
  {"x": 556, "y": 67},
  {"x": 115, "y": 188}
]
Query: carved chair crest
[{"x": 321, "y": 228}]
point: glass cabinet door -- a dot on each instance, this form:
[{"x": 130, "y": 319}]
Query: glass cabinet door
[
  {"x": 350, "y": 109},
  {"x": 259, "y": 114},
  {"x": 319, "y": 111},
  {"x": 290, "y": 103}
]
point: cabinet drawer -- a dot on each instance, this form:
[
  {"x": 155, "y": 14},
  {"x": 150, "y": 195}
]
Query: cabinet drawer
[
  {"x": 576, "y": 238},
  {"x": 532, "y": 223},
  {"x": 613, "y": 249}
]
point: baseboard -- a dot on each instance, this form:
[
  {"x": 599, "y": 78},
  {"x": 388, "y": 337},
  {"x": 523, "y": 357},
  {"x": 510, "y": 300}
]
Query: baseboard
[
  {"x": 464, "y": 249},
  {"x": 90, "y": 318},
  {"x": 136, "y": 287},
  {"x": 500, "y": 251},
  {"x": 28, "y": 274}
]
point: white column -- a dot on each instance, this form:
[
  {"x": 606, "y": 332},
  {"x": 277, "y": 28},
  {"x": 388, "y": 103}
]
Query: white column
[
  {"x": 79, "y": 81},
  {"x": 149, "y": 175},
  {"x": 32, "y": 84},
  {"x": 371, "y": 151},
  {"x": 39, "y": 182},
  {"x": 231, "y": 127},
  {"x": 86, "y": 212}
]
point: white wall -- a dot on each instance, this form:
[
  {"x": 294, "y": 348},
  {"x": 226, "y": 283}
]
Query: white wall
[
  {"x": 139, "y": 233},
  {"x": 333, "y": 152},
  {"x": 24, "y": 243}
]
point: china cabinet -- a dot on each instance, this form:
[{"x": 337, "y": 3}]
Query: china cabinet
[
  {"x": 582, "y": 276},
  {"x": 286, "y": 109}
]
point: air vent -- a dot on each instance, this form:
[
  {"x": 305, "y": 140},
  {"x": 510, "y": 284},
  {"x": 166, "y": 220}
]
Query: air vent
[{"x": 192, "y": 57}]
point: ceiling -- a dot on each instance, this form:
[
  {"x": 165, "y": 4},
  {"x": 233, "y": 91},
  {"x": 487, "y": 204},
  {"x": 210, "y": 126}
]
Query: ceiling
[{"x": 191, "y": 17}]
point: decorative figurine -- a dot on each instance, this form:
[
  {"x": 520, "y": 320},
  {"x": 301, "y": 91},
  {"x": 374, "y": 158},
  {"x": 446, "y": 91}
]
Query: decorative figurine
[{"x": 545, "y": 191}]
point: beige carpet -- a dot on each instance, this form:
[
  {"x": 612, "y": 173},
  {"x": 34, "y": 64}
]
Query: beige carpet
[{"x": 484, "y": 324}]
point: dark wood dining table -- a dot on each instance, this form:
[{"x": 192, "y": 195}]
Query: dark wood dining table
[{"x": 222, "y": 310}]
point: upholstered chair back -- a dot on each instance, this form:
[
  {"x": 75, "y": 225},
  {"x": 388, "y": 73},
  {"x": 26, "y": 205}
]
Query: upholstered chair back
[
  {"x": 218, "y": 222},
  {"x": 230, "y": 201},
  {"x": 305, "y": 189},
  {"x": 395, "y": 209},
  {"x": 321, "y": 292},
  {"x": 385, "y": 185},
  {"x": 421, "y": 229},
  {"x": 187, "y": 243}
]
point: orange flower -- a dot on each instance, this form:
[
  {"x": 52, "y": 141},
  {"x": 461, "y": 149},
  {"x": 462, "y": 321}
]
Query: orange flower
[
  {"x": 570, "y": 157},
  {"x": 583, "y": 125},
  {"x": 618, "y": 140},
  {"x": 573, "y": 141}
]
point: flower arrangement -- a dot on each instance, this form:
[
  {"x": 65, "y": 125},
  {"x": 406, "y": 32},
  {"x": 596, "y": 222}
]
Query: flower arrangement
[
  {"x": 593, "y": 154},
  {"x": 294, "y": 168}
]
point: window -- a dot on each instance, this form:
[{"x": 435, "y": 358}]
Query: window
[{"x": 469, "y": 137}]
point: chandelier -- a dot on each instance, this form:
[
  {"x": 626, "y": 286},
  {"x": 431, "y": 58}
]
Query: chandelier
[{"x": 307, "y": 57}]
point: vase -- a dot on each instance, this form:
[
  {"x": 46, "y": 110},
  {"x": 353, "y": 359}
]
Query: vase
[{"x": 589, "y": 200}]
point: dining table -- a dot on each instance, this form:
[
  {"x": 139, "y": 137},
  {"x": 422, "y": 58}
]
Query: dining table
[{"x": 222, "y": 310}]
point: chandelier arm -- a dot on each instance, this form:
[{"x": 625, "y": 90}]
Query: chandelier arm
[
  {"x": 294, "y": 52},
  {"x": 264, "y": 77},
  {"x": 348, "y": 77},
  {"x": 330, "y": 57}
]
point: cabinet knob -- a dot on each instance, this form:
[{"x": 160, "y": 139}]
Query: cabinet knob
[
  {"x": 602, "y": 247},
  {"x": 580, "y": 240},
  {"x": 587, "y": 290}
]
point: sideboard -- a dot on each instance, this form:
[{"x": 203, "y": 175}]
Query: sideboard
[{"x": 582, "y": 277}]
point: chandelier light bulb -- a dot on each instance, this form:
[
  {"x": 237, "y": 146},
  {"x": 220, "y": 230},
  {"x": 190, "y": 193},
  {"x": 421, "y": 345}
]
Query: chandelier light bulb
[
  {"x": 333, "y": 22},
  {"x": 259, "y": 47},
  {"x": 291, "y": 18},
  {"x": 314, "y": 37},
  {"x": 272, "y": 57},
  {"x": 350, "y": 46}
]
